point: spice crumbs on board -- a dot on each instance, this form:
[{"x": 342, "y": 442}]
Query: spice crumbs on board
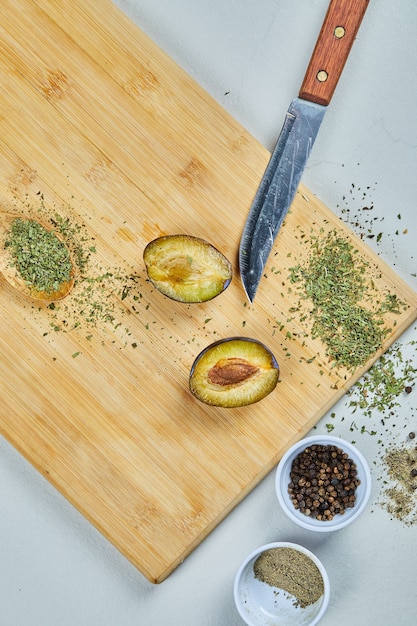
[
  {"x": 101, "y": 295},
  {"x": 347, "y": 313}
]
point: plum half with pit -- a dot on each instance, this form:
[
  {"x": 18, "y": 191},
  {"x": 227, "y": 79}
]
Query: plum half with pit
[
  {"x": 234, "y": 372},
  {"x": 187, "y": 269}
]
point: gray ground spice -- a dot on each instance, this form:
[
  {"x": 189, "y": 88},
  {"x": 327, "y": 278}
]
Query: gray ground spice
[
  {"x": 293, "y": 572},
  {"x": 399, "y": 497}
]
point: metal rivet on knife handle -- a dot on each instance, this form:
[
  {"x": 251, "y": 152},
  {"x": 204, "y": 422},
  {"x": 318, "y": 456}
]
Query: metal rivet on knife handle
[
  {"x": 322, "y": 75},
  {"x": 338, "y": 32}
]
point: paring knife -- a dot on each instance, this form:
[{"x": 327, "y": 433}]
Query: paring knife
[{"x": 302, "y": 122}]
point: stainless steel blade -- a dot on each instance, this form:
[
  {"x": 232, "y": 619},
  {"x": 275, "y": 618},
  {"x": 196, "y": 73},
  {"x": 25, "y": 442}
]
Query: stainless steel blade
[{"x": 277, "y": 189}]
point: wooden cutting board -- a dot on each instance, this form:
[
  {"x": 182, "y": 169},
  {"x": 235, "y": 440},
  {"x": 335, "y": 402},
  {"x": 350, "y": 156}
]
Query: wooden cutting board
[{"x": 100, "y": 127}]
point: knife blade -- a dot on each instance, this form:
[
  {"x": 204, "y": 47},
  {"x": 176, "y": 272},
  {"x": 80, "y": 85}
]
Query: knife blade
[{"x": 301, "y": 125}]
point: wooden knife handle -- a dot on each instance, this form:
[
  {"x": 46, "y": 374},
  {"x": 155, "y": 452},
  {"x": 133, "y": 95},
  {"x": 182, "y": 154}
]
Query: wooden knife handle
[{"x": 337, "y": 34}]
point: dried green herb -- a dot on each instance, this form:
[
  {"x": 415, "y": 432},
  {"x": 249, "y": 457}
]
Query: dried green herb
[
  {"x": 41, "y": 258},
  {"x": 381, "y": 388},
  {"x": 75, "y": 238},
  {"x": 335, "y": 278}
]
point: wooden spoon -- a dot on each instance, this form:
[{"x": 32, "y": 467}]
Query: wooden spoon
[{"x": 12, "y": 275}]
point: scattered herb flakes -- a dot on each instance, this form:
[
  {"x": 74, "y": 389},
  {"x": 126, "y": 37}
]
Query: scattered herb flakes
[
  {"x": 125, "y": 292},
  {"x": 101, "y": 296},
  {"x": 76, "y": 239},
  {"x": 363, "y": 224},
  {"x": 381, "y": 388},
  {"x": 380, "y": 392},
  {"x": 347, "y": 314}
]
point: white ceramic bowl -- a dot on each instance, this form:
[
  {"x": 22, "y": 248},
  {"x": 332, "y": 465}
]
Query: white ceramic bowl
[
  {"x": 260, "y": 604},
  {"x": 282, "y": 479}
]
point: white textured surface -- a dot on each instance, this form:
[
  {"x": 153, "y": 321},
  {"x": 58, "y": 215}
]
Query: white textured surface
[{"x": 251, "y": 56}]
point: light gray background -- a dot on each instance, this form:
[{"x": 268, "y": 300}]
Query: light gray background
[{"x": 251, "y": 56}]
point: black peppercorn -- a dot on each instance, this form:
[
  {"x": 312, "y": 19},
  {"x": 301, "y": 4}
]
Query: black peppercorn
[{"x": 334, "y": 489}]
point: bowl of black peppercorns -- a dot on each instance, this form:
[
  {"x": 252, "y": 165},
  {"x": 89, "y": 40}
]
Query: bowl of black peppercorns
[{"x": 323, "y": 483}]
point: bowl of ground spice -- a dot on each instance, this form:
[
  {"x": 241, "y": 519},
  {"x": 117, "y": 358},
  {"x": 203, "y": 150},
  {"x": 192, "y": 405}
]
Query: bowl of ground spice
[
  {"x": 323, "y": 483},
  {"x": 281, "y": 584}
]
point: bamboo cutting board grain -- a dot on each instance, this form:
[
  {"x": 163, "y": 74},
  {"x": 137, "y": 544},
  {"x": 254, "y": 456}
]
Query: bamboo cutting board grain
[{"x": 101, "y": 128}]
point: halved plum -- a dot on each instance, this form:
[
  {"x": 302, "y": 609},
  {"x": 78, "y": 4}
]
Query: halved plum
[
  {"x": 234, "y": 372},
  {"x": 187, "y": 269}
]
